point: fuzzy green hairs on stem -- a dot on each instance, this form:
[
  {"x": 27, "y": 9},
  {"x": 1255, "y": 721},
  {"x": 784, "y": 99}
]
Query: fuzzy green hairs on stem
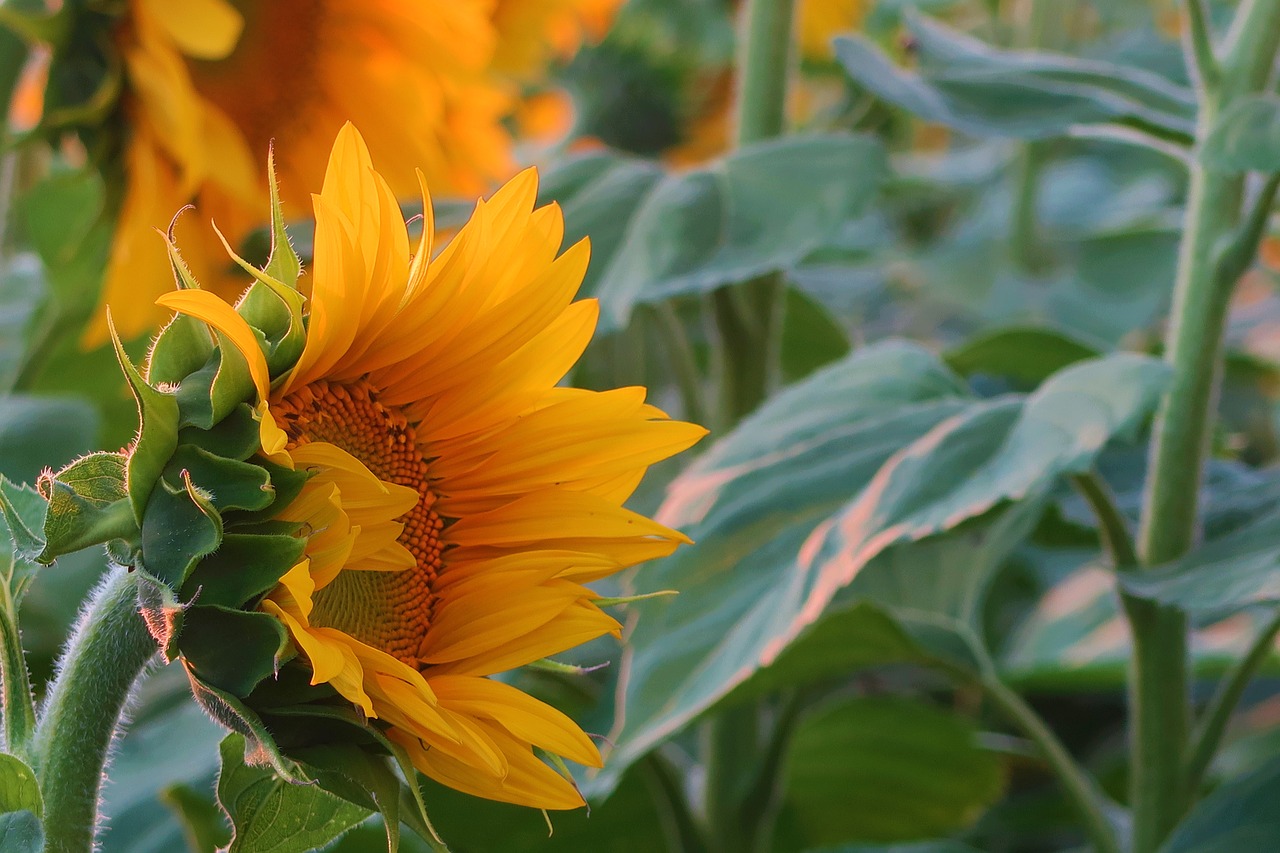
[{"x": 104, "y": 657}]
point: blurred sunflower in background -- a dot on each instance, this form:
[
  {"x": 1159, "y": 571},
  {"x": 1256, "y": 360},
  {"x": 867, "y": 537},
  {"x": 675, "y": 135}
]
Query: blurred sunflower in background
[
  {"x": 458, "y": 500},
  {"x": 209, "y": 84}
]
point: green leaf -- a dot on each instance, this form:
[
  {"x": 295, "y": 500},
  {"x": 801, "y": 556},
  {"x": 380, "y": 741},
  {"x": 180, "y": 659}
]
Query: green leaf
[
  {"x": 984, "y": 91},
  {"x": 876, "y": 450},
  {"x": 88, "y": 505},
  {"x": 811, "y": 337},
  {"x": 361, "y": 778},
  {"x": 758, "y": 210},
  {"x": 945, "y": 846},
  {"x": 59, "y": 211},
  {"x": 202, "y": 823},
  {"x": 19, "y": 789},
  {"x": 235, "y": 667},
  {"x": 1245, "y": 137},
  {"x": 886, "y": 769},
  {"x": 1026, "y": 354},
  {"x": 1240, "y": 815},
  {"x": 270, "y": 815},
  {"x": 228, "y": 711},
  {"x": 1221, "y": 577},
  {"x": 21, "y": 832},
  {"x": 24, "y": 511}
]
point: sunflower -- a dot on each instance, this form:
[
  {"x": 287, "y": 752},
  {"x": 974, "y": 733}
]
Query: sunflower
[
  {"x": 532, "y": 32},
  {"x": 459, "y": 499},
  {"x": 210, "y": 82},
  {"x": 820, "y": 21}
]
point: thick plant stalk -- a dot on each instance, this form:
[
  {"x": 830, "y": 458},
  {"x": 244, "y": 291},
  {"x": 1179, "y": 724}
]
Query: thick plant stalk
[
  {"x": 104, "y": 657},
  {"x": 1159, "y": 699},
  {"x": 748, "y": 319}
]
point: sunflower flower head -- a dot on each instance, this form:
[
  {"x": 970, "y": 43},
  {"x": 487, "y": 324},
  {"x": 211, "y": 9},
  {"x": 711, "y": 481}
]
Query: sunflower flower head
[{"x": 347, "y": 512}]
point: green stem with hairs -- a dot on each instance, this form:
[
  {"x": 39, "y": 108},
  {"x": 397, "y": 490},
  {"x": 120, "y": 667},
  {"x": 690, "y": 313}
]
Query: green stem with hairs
[
  {"x": 107, "y": 652},
  {"x": 1158, "y": 685}
]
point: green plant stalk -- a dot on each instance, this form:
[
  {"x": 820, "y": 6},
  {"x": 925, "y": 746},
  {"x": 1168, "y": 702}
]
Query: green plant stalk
[
  {"x": 1213, "y": 722},
  {"x": 731, "y": 756},
  {"x": 103, "y": 658},
  {"x": 678, "y": 825},
  {"x": 1080, "y": 789},
  {"x": 1158, "y": 684},
  {"x": 1113, "y": 529},
  {"x": 15, "y": 683},
  {"x": 748, "y": 321}
]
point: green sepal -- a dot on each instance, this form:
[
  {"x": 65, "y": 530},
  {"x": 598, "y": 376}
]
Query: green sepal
[
  {"x": 230, "y": 385},
  {"x": 88, "y": 505},
  {"x": 157, "y": 432},
  {"x": 283, "y": 264},
  {"x": 287, "y": 482},
  {"x": 25, "y": 511},
  {"x": 260, "y": 749},
  {"x": 273, "y": 304},
  {"x": 232, "y": 650},
  {"x": 183, "y": 346},
  {"x": 243, "y": 568},
  {"x": 180, "y": 526},
  {"x": 162, "y": 612},
  {"x": 237, "y": 436},
  {"x": 230, "y": 484}
]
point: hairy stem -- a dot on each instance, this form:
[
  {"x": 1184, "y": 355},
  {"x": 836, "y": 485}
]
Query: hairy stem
[
  {"x": 1159, "y": 700},
  {"x": 104, "y": 657}
]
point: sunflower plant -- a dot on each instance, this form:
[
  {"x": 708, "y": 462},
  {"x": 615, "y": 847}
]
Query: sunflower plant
[{"x": 978, "y": 298}]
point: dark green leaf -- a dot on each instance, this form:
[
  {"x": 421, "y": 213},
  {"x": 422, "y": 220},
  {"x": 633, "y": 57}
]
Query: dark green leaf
[
  {"x": 24, "y": 514},
  {"x": 235, "y": 667},
  {"x": 59, "y": 211},
  {"x": 1245, "y": 137},
  {"x": 229, "y": 483},
  {"x": 811, "y": 338},
  {"x": 886, "y": 769},
  {"x": 270, "y": 815},
  {"x": 229, "y": 711},
  {"x": 1240, "y": 815},
  {"x": 1026, "y": 354},
  {"x": 21, "y": 832}
]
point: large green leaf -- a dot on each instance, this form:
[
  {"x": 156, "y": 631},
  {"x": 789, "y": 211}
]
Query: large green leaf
[
  {"x": 985, "y": 91},
  {"x": 879, "y": 449},
  {"x": 1245, "y": 137},
  {"x": 271, "y": 815},
  {"x": 760, "y": 209},
  {"x": 1222, "y": 576},
  {"x": 1241, "y": 815},
  {"x": 885, "y": 769}
]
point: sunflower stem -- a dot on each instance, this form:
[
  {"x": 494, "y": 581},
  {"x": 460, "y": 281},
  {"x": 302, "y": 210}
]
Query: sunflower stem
[
  {"x": 1158, "y": 684},
  {"x": 106, "y": 653},
  {"x": 747, "y": 316}
]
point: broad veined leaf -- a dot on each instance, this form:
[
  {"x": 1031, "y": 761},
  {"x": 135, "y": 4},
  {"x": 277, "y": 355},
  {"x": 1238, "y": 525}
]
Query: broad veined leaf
[
  {"x": 18, "y": 787},
  {"x": 270, "y": 815},
  {"x": 21, "y": 832},
  {"x": 885, "y": 769},
  {"x": 761, "y": 209},
  {"x": 881, "y": 448},
  {"x": 1025, "y": 354},
  {"x": 1245, "y": 137},
  {"x": 984, "y": 91}
]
